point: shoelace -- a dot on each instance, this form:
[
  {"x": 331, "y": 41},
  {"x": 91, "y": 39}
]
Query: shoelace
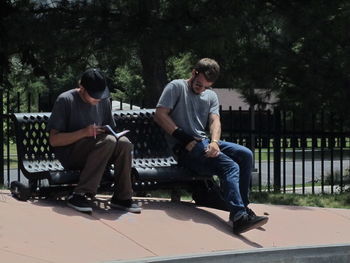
[{"x": 250, "y": 212}]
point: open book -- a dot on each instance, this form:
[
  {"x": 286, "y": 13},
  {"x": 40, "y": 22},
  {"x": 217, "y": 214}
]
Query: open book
[{"x": 109, "y": 129}]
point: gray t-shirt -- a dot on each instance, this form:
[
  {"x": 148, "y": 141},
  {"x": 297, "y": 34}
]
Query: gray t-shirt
[
  {"x": 189, "y": 111},
  {"x": 70, "y": 113}
]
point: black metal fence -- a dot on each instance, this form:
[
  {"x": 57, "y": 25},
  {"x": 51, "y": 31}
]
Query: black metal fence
[{"x": 294, "y": 151}]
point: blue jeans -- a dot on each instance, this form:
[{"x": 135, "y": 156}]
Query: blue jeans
[{"x": 233, "y": 166}]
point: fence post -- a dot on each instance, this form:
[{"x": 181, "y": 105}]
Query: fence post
[
  {"x": 1, "y": 135},
  {"x": 252, "y": 128},
  {"x": 277, "y": 151}
]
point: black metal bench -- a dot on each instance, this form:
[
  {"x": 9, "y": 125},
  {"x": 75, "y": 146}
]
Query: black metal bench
[{"x": 154, "y": 166}]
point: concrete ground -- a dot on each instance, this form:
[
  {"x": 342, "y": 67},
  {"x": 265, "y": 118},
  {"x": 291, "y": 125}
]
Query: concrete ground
[{"x": 49, "y": 231}]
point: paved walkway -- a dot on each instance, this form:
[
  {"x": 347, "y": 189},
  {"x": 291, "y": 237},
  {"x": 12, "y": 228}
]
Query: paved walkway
[{"x": 48, "y": 231}]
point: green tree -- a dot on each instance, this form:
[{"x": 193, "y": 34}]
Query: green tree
[{"x": 298, "y": 50}]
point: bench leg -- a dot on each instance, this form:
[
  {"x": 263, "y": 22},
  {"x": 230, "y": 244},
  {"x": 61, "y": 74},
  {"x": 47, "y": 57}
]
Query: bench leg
[
  {"x": 207, "y": 193},
  {"x": 175, "y": 195},
  {"x": 20, "y": 191}
]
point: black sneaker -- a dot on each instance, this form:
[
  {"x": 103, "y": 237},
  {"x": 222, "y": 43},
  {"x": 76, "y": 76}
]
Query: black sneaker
[
  {"x": 79, "y": 202},
  {"x": 250, "y": 212},
  {"x": 247, "y": 222},
  {"x": 126, "y": 205}
]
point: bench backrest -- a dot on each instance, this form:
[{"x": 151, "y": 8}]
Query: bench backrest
[
  {"x": 150, "y": 147},
  {"x": 35, "y": 154}
]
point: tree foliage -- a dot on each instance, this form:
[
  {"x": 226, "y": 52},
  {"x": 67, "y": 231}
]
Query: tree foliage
[{"x": 297, "y": 50}]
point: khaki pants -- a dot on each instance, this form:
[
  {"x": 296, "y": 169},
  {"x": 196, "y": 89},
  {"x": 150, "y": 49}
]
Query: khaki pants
[{"x": 91, "y": 156}]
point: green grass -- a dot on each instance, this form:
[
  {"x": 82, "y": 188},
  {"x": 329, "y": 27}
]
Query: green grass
[
  {"x": 309, "y": 184},
  {"x": 13, "y": 155},
  {"x": 326, "y": 200},
  {"x": 13, "y": 149},
  {"x": 13, "y": 163}
]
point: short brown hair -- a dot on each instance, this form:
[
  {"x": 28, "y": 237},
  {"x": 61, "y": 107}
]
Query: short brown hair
[{"x": 209, "y": 67}]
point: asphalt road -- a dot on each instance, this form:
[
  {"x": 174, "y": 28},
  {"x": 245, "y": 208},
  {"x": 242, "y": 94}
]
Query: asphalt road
[{"x": 298, "y": 169}]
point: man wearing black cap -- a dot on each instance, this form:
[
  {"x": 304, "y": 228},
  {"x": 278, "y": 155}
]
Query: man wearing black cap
[{"x": 81, "y": 143}]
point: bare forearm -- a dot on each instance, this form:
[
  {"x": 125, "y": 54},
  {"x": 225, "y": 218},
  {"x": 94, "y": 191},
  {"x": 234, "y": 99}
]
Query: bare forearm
[
  {"x": 215, "y": 133},
  {"x": 213, "y": 149},
  {"x": 215, "y": 128},
  {"x": 66, "y": 138}
]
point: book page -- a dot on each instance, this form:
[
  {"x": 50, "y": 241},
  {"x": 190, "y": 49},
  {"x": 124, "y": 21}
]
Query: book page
[{"x": 117, "y": 135}]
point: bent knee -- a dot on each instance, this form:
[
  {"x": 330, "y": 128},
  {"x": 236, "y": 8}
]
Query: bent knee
[
  {"x": 247, "y": 154},
  {"x": 108, "y": 142},
  {"x": 110, "y": 139},
  {"x": 226, "y": 165},
  {"x": 125, "y": 143}
]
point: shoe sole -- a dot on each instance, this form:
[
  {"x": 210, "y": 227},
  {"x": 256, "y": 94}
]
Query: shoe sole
[
  {"x": 257, "y": 225},
  {"x": 80, "y": 209},
  {"x": 128, "y": 209}
]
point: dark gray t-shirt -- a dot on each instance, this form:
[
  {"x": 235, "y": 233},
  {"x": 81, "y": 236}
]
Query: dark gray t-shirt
[
  {"x": 70, "y": 113},
  {"x": 189, "y": 111}
]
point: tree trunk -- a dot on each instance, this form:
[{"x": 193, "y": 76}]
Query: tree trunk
[{"x": 153, "y": 72}]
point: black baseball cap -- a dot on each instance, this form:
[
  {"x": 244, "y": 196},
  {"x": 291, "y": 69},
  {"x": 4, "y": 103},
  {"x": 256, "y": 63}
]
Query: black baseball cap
[{"x": 95, "y": 83}]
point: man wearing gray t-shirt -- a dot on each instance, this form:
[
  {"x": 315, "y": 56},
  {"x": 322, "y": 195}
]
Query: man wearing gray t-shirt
[
  {"x": 81, "y": 143},
  {"x": 184, "y": 109}
]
